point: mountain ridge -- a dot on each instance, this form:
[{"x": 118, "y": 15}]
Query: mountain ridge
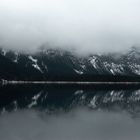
[{"x": 55, "y": 65}]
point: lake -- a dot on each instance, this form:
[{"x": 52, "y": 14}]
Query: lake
[{"x": 41, "y": 112}]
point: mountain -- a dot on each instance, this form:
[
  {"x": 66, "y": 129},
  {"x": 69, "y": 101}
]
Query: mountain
[{"x": 58, "y": 64}]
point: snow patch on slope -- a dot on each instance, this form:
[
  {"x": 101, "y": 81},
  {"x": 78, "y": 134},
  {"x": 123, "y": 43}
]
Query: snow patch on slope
[
  {"x": 32, "y": 59},
  {"x": 35, "y": 65},
  {"x": 135, "y": 68},
  {"x": 114, "y": 68},
  {"x": 79, "y": 71},
  {"x": 4, "y": 52},
  {"x": 93, "y": 61},
  {"x": 16, "y": 58}
]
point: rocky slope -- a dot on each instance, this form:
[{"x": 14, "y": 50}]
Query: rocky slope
[{"x": 52, "y": 64}]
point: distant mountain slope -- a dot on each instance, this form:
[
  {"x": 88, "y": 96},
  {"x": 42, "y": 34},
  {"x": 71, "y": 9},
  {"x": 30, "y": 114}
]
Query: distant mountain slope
[{"x": 52, "y": 64}]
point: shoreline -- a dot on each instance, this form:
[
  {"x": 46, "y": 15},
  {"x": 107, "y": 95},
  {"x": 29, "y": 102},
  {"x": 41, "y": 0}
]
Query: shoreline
[{"x": 5, "y": 82}]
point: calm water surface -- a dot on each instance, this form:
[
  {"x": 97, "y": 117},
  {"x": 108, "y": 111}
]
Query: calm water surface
[{"x": 69, "y": 113}]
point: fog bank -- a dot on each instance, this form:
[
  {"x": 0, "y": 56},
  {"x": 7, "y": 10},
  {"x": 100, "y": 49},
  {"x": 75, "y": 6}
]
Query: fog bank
[{"x": 82, "y": 25}]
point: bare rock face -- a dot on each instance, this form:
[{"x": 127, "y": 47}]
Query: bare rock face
[{"x": 52, "y": 64}]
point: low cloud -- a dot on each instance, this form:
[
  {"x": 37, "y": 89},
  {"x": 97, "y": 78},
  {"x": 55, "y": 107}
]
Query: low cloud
[{"x": 85, "y": 26}]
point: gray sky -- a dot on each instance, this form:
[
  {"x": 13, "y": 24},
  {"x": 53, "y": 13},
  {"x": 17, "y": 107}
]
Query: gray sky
[{"x": 84, "y": 25}]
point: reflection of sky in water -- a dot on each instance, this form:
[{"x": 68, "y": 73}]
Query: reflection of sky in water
[
  {"x": 78, "y": 124},
  {"x": 69, "y": 114}
]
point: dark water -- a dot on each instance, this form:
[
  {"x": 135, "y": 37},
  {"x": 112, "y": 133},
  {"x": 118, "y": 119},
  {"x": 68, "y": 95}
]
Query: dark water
[{"x": 69, "y": 113}]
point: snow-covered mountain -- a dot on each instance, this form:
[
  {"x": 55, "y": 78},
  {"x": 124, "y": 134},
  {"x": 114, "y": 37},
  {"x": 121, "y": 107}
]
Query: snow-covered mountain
[{"x": 56, "y": 64}]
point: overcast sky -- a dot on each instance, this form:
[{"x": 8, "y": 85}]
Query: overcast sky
[{"x": 84, "y": 25}]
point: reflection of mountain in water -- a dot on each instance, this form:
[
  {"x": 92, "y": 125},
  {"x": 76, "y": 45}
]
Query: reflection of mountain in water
[{"x": 52, "y": 99}]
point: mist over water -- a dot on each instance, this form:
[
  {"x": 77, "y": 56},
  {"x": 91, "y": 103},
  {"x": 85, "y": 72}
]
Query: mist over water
[
  {"x": 48, "y": 113},
  {"x": 78, "y": 124}
]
